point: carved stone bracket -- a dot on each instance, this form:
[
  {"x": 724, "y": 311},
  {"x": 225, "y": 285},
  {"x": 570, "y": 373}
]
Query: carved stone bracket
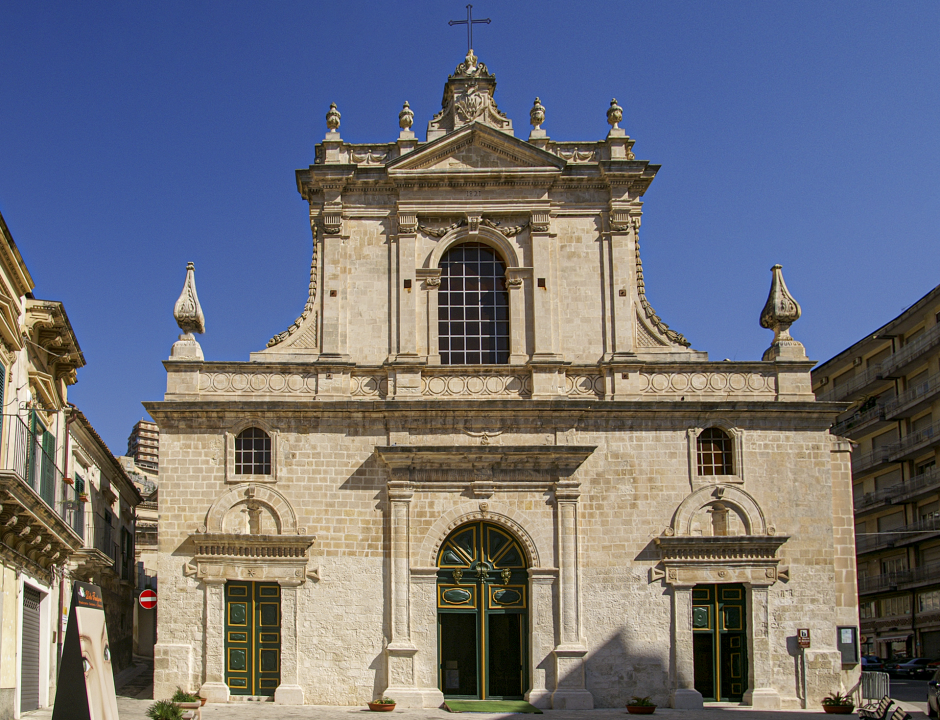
[{"x": 229, "y": 556}]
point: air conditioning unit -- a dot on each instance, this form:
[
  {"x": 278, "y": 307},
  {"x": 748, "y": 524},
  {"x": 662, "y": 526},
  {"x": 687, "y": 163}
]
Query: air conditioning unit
[{"x": 857, "y": 361}]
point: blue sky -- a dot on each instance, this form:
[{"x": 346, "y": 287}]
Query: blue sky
[{"x": 135, "y": 137}]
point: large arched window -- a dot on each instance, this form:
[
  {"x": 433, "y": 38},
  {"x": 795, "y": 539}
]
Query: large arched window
[
  {"x": 473, "y": 307},
  {"x": 252, "y": 452},
  {"x": 714, "y": 453}
]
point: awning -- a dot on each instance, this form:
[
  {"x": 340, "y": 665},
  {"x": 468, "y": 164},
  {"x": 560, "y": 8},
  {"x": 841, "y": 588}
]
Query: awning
[{"x": 892, "y": 638}]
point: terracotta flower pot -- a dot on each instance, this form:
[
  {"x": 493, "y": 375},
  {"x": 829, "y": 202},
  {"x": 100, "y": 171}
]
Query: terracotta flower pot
[
  {"x": 641, "y": 709},
  {"x": 838, "y": 709},
  {"x": 381, "y": 707}
]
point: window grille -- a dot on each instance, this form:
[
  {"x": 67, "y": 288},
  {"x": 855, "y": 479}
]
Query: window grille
[
  {"x": 252, "y": 452},
  {"x": 714, "y": 453},
  {"x": 473, "y": 307}
]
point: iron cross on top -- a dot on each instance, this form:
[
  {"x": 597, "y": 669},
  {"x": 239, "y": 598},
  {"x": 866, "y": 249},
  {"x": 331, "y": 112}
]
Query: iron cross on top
[{"x": 469, "y": 22}]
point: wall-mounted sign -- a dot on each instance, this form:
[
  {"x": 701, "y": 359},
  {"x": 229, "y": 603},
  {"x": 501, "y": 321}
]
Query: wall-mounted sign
[
  {"x": 802, "y": 637},
  {"x": 148, "y": 599},
  {"x": 847, "y": 643},
  {"x": 85, "y": 690}
]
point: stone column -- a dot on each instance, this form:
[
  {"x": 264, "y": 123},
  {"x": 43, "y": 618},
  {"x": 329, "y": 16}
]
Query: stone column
[
  {"x": 289, "y": 691},
  {"x": 401, "y": 680},
  {"x": 570, "y": 691},
  {"x": 683, "y": 695},
  {"x": 214, "y": 689},
  {"x": 760, "y": 694},
  {"x": 542, "y": 636}
]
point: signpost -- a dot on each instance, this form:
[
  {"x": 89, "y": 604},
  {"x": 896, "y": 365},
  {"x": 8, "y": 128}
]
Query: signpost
[
  {"x": 148, "y": 599},
  {"x": 802, "y": 641}
]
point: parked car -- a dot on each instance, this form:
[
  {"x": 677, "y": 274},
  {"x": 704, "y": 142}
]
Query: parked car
[
  {"x": 933, "y": 690},
  {"x": 914, "y": 668},
  {"x": 892, "y": 665},
  {"x": 872, "y": 663}
]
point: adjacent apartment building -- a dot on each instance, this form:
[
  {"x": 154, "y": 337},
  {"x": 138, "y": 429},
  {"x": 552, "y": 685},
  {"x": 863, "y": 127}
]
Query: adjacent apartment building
[
  {"x": 144, "y": 445},
  {"x": 892, "y": 379}
]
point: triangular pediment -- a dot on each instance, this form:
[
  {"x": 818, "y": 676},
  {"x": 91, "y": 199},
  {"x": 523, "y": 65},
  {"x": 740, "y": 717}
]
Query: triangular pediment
[{"x": 476, "y": 147}]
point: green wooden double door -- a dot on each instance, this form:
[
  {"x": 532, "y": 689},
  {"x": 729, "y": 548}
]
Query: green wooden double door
[
  {"x": 482, "y": 613},
  {"x": 252, "y": 637},
  {"x": 719, "y": 637}
]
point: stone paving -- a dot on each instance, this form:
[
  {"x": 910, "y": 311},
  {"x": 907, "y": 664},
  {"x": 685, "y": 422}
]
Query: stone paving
[{"x": 135, "y": 690}]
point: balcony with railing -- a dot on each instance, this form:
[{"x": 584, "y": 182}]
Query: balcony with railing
[
  {"x": 897, "y": 361},
  {"x": 883, "y": 582},
  {"x": 863, "y": 462},
  {"x": 915, "y": 443},
  {"x": 854, "y": 386},
  {"x": 926, "y": 482},
  {"x": 860, "y": 422},
  {"x": 46, "y": 516},
  {"x": 914, "y": 398}
]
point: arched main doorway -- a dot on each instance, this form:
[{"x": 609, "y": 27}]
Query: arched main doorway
[{"x": 482, "y": 613}]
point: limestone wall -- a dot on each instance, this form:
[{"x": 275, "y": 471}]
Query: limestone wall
[{"x": 630, "y": 488}]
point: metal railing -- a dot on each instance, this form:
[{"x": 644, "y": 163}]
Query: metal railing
[
  {"x": 885, "y": 581},
  {"x": 104, "y": 541},
  {"x": 923, "y": 573},
  {"x": 916, "y": 439},
  {"x": 924, "y": 481},
  {"x": 873, "y": 458},
  {"x": 913, "y": 395},
  {"x": 859, "y": 419},
  {"x": 910, "y": 351},
  {"x": 36, "y": 466},
  {"x": 845, "y": 389}
]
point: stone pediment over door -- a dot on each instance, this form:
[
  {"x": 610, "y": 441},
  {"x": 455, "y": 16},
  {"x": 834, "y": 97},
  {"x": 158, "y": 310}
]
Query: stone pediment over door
[{"x": 475, "y": 147}]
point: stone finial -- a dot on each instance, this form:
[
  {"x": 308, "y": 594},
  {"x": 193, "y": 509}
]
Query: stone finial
[
  {"x": 614, "y": 114},
  {"x": 537, "y": 114},
  {"x": 406, "y": 117},
  {"x": 332, "y": 118},
  {"x": 780, "y": 311},
  {"x": 189, "y": 317}
]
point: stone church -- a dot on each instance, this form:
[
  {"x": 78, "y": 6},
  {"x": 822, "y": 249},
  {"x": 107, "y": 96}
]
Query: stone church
[{"x": 479, "y": 465}]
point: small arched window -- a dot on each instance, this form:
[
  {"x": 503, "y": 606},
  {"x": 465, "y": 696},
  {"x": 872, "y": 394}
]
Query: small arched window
[
  {"x": 252, "y": 452},
  {"x": 473, "y": 307},
  {"x": 714, "y": 453}
]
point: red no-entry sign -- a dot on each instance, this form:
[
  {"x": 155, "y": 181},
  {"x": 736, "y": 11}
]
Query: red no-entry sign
[{"x": 148, "y": 599}]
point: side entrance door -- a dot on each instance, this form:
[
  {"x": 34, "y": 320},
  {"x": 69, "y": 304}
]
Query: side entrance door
[
  {"x": 252, "y": 637},
  {"x": 482, "y": 614},
  {"x": 719, "y": 638}
]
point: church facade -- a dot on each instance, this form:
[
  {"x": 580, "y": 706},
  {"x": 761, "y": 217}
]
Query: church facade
[{"x": 479, "y": 465}]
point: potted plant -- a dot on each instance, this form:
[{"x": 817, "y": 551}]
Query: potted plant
[
  {"x": 383, "y": 704},
  {"x": 838, "y": 704},
  {"x": 165, "y": 710},
  {"x": 641, "y": 705},
  {"x": 83, "y": 497},
  {"x": 186, "y": 700},
  {"x": 68, "y": 481}
]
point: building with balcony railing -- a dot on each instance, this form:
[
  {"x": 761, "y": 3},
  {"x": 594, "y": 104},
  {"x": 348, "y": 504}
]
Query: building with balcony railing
[
  {"x": 108, "y": 557},
  {"x": 892, "y": 380},
  {"x": 42, "y": 516}
]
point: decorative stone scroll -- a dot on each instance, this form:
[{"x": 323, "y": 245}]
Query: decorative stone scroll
[
  {"x": 309, "y": 338},
  {"x": 650, "y": 315}
]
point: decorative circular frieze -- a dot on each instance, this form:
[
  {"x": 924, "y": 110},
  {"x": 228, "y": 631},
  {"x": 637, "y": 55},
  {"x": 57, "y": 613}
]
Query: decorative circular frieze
[
  {"x": 256, "y": 383},
  {"x": 725, "y": 383},
  {"x": 475, "y": 385}
]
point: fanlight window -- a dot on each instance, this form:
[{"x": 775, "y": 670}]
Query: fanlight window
[
  {"x": 252, "y": 452},
  {"x": 473, "y": 307},
  {"x": 714, "y": 453}
]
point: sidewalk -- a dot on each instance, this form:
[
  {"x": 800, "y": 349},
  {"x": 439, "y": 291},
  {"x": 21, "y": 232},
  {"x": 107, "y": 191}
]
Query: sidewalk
[{"x": 135, "y": 691}]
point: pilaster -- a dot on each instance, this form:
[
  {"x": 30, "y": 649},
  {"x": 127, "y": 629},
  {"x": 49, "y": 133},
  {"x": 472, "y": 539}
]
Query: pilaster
[
  {"x": 289, "y": 691},
  {"x": 405, "y": 290},
  {"x": 544, "y": 292},
  {"x": 214, "y": 689},
  {"x": 432, "y": 284},
  {"x": 683, "y": 695},
  {"x": 570, "y": 690},
  {"x": 515, "y": 282},
  {"x": 335, "y": 282},
  {"x": 760, "y": 693},
  {"x": 621, "y": 270},
  {"x": 542, "y": 633}
]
